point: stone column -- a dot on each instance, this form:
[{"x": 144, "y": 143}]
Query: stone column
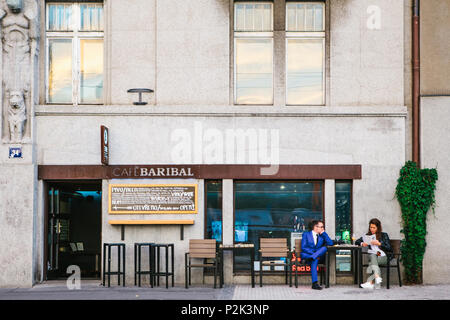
[
  {"x": 330, "y": 222},
  {"x": 228, "y": 226},
  {"x": 19, "y": 27}
]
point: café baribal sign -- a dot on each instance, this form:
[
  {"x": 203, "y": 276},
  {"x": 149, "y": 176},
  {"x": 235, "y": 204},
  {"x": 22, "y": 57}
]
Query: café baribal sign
[
  {"x": 152, "y": 198},
  {"x": 163, "y": 171}
]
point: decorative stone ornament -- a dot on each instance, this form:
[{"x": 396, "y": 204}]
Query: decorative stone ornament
[
  {"x": 19, "y": 41},
  {"x": 16, "y": 115},
  {"x": 15, "y": 5}
]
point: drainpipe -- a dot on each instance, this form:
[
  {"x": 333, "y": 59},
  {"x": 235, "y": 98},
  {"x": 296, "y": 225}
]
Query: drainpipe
[{"x": 416, "y": 83}]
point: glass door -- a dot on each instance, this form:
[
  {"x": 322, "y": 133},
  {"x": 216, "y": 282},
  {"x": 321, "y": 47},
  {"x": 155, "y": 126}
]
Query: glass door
[{"x": 59, "y": 218}]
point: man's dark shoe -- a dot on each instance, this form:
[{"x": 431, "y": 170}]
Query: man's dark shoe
[{"x": 316, "y": 286}]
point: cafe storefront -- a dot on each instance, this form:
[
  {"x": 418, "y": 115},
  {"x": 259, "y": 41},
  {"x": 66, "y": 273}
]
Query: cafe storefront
[{"x": 175, "y": 203}]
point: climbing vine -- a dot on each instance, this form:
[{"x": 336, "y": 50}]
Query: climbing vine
[{"x": 415, "y": 193}]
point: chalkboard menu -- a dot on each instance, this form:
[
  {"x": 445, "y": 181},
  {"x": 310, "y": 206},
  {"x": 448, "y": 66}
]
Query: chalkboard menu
[{"x": 161, "y": 198}]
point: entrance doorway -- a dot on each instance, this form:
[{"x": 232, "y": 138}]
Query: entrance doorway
[{"x": 73, "y": 227}]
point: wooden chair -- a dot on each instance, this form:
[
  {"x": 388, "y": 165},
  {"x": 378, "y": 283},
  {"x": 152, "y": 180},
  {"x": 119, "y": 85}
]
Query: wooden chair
[
  {"x": 201, "y": 249},
  {"x": 274, "y": 248},
  {"x": 393, "y": 261},
  {"x": 297, "y": 252}
]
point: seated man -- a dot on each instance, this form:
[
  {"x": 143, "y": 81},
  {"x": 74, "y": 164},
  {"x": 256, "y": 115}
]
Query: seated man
[{"x": 314, "y": 244}]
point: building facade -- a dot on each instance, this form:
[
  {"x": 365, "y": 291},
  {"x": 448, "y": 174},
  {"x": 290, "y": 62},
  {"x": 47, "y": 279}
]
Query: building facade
[
  {"x": 261, "y": 116},
  {"x": 435, "y": 130}
]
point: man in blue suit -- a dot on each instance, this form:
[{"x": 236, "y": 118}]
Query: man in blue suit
[{"x": 314, "y": 246}]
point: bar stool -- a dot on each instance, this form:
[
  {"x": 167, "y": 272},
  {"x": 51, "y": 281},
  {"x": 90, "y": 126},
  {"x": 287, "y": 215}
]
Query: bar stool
[
  {"x": 156, "y": 251},
  {"x": 120, "y": 249},
  {"x": 137, "y": 262}
]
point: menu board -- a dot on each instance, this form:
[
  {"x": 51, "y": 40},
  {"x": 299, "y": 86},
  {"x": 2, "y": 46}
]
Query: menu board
[{"x": 144, "y": 198}]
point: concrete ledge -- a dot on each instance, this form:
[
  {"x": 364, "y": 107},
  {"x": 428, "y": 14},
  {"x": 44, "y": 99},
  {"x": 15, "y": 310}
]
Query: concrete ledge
[{"x": 221, "y": 111}]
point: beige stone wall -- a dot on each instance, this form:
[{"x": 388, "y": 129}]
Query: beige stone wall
[
  {"x": 366, "y": 65},
  {"x": 177, "y": 48},
  {"x": 435, "y": 47},
  {"x": 435, "y": 135},
  {"x": 17, "y": 219},
  {"x": 435, "y": 131}
]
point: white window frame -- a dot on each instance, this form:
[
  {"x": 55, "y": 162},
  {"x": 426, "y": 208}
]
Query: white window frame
[
  {"x": 267, "y": 35},
  {"x": 307, "y": 35},
  {"x": 76, "y": 36}
]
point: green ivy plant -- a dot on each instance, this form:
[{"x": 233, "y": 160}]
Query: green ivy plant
[{"x": 415, "y": 193}]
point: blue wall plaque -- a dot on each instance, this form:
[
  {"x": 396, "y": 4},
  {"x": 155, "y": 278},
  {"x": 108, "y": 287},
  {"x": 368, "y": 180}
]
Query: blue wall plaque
[{"x": 15, "y": 152}]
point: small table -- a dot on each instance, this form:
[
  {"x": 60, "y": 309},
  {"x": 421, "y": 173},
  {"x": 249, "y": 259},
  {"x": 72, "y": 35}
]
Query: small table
[
  {"x": 234, "y": 247},
  {"x": 357, "y": 250}
]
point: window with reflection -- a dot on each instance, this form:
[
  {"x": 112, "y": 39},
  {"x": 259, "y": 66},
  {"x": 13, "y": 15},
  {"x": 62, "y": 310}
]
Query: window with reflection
[
  {"x": 343, "y": 209},
  {"x": 305, "y": 50},
  {"x": 213, "y": 209},
  {"x": 253, "y": 63},
  {"x": 74, "y": 33},
  {"x": 272, "y": 209}
]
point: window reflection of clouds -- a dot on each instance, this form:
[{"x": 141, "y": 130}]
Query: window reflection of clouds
[
  {"x": 60, "y": 73},
  {"x": 91, "y": 70},
  {"x": 305, "y": 53},
  {"x": 254, "y": 71},
  {"x": 305, "y": 72}
]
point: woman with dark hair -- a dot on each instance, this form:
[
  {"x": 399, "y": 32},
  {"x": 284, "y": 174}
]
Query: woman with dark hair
[{"x": 379, "y": 249}]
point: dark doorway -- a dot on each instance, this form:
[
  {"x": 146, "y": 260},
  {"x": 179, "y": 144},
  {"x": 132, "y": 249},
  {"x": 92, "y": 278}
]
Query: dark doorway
[{"x": 73, "y": 228}]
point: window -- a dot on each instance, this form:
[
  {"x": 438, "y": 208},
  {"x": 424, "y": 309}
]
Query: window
[
  {"x": 343, "y": 209},
  {"x": 253, "y": 60},
  {"x": 305, "y": 53},
  {"x": 74, "y": 45},
  {"x": 302, "y": 27},
  {"x": 273, "y": 210},
  {"x": 213, "y": 205}
]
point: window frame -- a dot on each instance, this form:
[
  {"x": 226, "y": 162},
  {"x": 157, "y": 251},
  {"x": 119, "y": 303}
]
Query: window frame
[
  {"x": 266, "y": 35},
  {"x": 307, "y": 35},
  {"x": 75, "y": 35}
]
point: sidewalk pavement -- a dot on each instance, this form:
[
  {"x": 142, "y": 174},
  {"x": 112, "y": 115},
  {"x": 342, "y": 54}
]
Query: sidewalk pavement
[{"x": 92, "y": 290}]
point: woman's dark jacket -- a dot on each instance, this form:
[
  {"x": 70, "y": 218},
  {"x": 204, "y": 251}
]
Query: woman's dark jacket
[{"x": 385, "y": 244}]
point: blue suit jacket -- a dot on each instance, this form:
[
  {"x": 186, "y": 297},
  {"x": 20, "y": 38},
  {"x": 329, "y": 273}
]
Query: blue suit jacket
[{"x": 308, "y": 246}]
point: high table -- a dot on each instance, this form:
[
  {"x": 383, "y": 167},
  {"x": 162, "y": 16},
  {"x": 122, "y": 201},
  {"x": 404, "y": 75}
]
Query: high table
[
  {"x": 356, "y": 252},
  {"x": 234, "y": 247}
]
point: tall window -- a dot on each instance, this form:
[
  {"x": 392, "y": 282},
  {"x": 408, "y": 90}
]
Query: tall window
[
  {"x": 343, "y": 209},
  {"x": 213, "y": 205},
  {"x": 74, "y": 45},
  {"x": 253, "y": 43},
  {"x": 305, "y": 51},
  {"x": 270, "y": 209}
]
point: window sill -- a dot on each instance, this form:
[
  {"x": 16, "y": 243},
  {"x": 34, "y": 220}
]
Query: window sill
[{"x": 221, "y": 111}]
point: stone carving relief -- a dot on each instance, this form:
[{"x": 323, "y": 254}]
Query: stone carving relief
[{"x": 19, "y": 42}]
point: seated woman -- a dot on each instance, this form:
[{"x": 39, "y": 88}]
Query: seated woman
[{"x": 379, "y": 249}]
